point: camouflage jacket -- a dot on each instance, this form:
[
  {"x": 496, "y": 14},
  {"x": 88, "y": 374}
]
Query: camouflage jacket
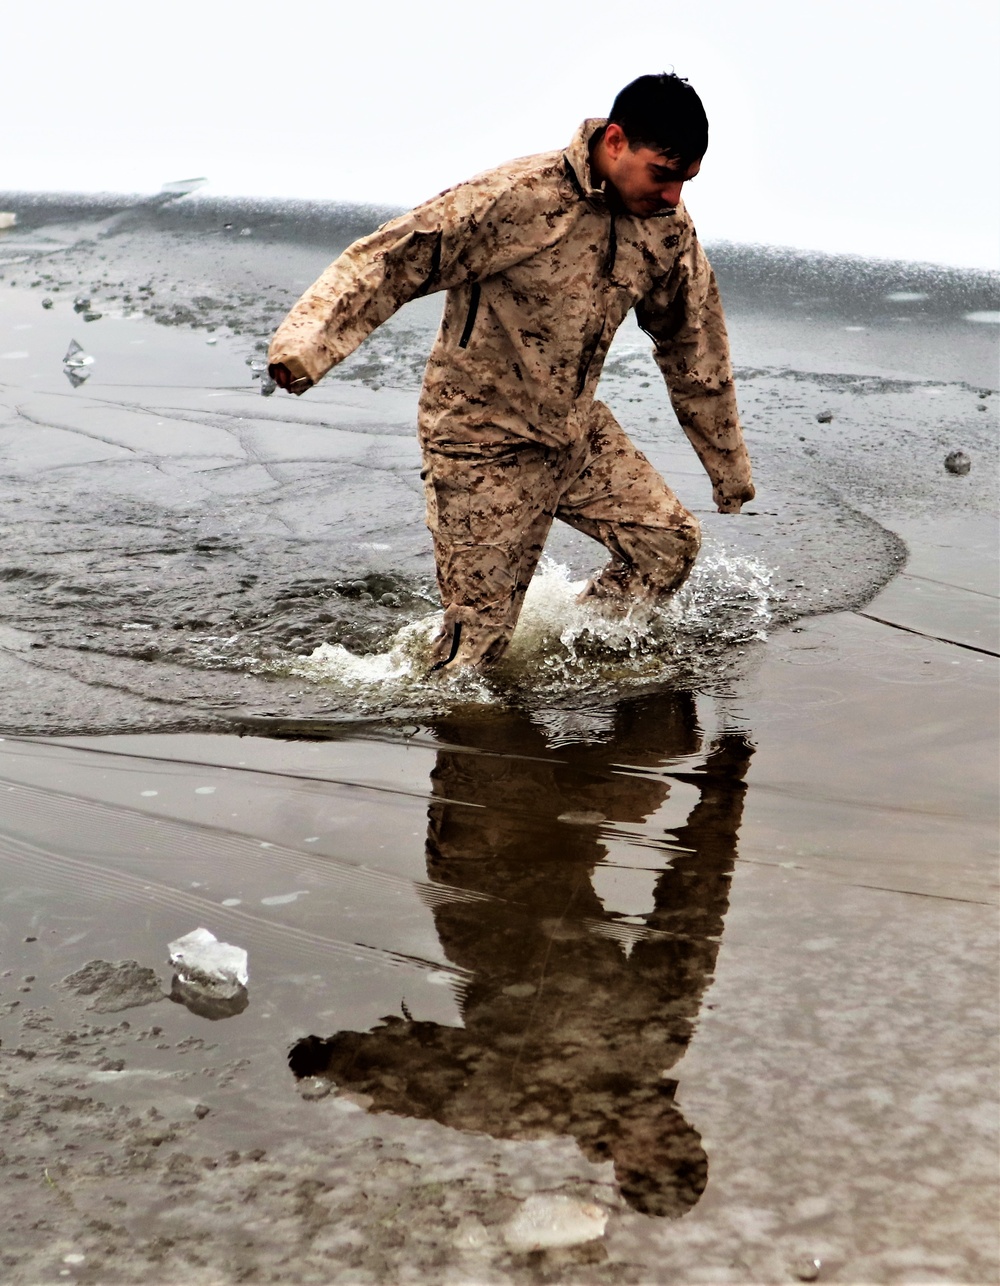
[{"x": 540, "y": 272}]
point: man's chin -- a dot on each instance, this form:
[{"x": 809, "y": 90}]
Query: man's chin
[{"x": 646, "y": 209}]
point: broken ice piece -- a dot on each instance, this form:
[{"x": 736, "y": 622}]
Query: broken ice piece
[
  {"x": 7, "y": 219},
  {"x": 201, "y": 959},
  {"x": 267, "y": 386},
  {"x": 545, "y": 1222},
  {"x": 206, "y": 1002},
  {"x": 76, "y": 357},
  {"x": 181, "y": 187},
  {"x": 76, "y": 364}
]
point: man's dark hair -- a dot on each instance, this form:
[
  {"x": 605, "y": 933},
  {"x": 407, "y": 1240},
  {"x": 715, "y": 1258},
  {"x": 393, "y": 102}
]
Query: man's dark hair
[{"x": 663, "y": 112}]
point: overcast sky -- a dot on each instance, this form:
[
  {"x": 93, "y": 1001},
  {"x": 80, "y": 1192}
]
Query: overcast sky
[{"x": 867, "y": 126}]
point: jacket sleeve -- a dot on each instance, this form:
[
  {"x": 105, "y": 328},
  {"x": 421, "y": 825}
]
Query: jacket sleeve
[
  {"x": 683, "y": 316},
  {"x": 458, "y": 236}
]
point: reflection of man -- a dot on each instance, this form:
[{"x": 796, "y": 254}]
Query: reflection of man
[
  {"x": 542, "y": 260},
  {"x": 567, "y": 1030}
]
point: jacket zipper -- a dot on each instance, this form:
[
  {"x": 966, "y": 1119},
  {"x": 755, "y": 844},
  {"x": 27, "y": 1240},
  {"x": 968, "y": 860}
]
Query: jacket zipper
[
  {"x": 470, "y": 320},
  {"x": 592, "y": 349},
  {"x": 609, "y": 258}
]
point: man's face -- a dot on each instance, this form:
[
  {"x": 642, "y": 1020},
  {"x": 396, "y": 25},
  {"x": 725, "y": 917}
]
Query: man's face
[{"x": 647, "y": 181}]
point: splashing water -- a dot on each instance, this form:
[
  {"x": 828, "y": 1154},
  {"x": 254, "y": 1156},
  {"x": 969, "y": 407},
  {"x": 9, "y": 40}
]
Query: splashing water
[{"x": 563, "y": 648}]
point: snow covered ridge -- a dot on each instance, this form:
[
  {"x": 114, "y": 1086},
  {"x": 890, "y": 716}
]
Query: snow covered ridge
[{"x": 769, "y": 273}]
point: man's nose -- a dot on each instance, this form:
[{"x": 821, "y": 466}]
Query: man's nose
[{"x": 671, "y": 194}]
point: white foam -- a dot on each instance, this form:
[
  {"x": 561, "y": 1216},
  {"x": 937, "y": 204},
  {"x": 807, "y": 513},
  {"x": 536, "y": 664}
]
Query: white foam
[
  {"x": 988, "y": 315},
  {"x": 560, "y": 646}
]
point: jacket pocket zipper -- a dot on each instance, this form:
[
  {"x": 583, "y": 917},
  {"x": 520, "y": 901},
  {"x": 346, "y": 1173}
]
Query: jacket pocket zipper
[
  {"x": 470, "y": 320},
  {"x": 588, "y": 358}
]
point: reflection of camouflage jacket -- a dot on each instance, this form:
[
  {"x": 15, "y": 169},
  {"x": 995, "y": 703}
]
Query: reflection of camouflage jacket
[{"x": 540, "y": 273}]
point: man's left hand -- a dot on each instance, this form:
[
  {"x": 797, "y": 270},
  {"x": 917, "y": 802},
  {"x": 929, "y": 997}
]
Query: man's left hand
[{"x": 733, "y": 504}]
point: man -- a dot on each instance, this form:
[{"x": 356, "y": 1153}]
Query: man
[{"x": 542, "y": 260}]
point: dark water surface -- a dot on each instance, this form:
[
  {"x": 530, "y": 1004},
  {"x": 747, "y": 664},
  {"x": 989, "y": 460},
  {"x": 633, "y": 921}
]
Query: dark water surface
[{"x": 688, "y": 916}]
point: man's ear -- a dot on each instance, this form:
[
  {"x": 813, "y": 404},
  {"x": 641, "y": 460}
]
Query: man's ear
[{"x": 615, "y": 141}]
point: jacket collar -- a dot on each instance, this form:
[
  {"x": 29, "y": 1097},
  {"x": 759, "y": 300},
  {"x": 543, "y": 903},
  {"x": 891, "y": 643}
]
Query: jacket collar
[{"x": 577, "y": 158}]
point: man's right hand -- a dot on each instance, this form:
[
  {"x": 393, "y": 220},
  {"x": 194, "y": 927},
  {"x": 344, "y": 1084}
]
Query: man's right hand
[{"x": 283, "y": 377}]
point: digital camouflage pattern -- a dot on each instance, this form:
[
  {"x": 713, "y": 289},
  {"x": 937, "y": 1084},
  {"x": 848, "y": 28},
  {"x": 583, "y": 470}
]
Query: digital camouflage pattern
[
  {"x": 540, "y": 271},
  {"x": 491, "y": 498}
]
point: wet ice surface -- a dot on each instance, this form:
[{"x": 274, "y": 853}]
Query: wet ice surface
[
  {"x": 681, "y": 927},
  {"x": 178, "y": 541},
  {"x": 672, "y": 959}
]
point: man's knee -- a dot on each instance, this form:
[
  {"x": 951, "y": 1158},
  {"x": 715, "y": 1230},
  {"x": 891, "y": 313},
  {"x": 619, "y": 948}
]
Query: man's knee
[
  {"x": 666, "y": 555},
  {"x": 647, "y": 562}
]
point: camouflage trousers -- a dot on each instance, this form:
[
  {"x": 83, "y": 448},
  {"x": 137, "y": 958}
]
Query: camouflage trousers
[{"x": 491, "y": 499}]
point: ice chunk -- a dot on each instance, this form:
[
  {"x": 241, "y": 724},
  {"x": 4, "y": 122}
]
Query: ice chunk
[
  {"x": 76, "y": 364},
  {"x": 267, "y": 386},
  {"x": 181, "y": 187},
  {"x": 213, "y": 1002},
  {"x": 7, "y": 219},
  {"x": 200, "y": 958},
  {"x": 76, "y": 357},
  {"x": 546, "y": 1222}
]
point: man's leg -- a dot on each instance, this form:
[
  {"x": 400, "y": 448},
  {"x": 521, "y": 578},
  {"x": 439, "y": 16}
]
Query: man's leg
[
  {"x": 490, "y": 505},
  {"x": 620, "y": 500}
]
